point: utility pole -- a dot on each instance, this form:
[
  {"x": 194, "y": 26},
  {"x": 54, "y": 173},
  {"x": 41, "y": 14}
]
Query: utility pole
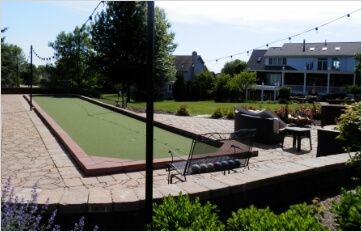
[
  {"x": 149, "y": 111},
  {"x": 31, "y": 77}
]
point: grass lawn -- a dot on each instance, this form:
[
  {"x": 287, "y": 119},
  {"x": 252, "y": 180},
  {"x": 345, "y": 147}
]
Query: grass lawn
[
  {"x": 102, "y": 132},
  {"x": 198, "y": 107}
]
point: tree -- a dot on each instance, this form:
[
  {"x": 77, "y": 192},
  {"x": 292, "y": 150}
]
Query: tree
[
  {"x": 118, "y": 39},
  {"x": 204, "y": 81},
  {"x": 72, "y": 51},
  {"x": 242, "y": 81},
  {"x": 179, "y": 89},
  {"x": 164, "y": 47},
  {"x": 3, "y": 31},
  {"x": 221, "y": 88},
  {"x": 120, "y": 42},
  {"x": 357, "y": 68},
  {"x": 13, "y": 62},
  {"x": 233, "y": 67}
]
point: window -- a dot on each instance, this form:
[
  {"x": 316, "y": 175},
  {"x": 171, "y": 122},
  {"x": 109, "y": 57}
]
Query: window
[
  {"x": 277, "y": 61},
  {"x": 311, "y": 49},
  {"x": 335, "y": 64},
  {"x": 322, "y": 63},
  {"x": 309, "y": 66},
  {"x": 259, "y": 59},
  {"x": 324, "y": 49},
  {"x": 338, "y": 48},
  {"x": 170, "y": 88}
]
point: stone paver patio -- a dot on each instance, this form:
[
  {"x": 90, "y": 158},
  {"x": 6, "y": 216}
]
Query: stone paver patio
[{"x": 30, "y": 153}]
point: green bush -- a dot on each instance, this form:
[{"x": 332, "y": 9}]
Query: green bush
[
  {"x": 182, "y": 214},
  {"x": 230, "y": 114},
  {"x": 350, "y": 131},
  {"x": 285, "y": 92},
  {"x": 217, "y": 114},
  {"x": 183, "y": 111},
  {"x": 252, "y": 219},
  {"x": 348, "y": 210},
  {"x": 297, "y": 217}
]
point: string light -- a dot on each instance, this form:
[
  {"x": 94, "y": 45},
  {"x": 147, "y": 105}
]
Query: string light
[
  {"x": 289, "y": 37},
  {"x": 48, "y": 59}
]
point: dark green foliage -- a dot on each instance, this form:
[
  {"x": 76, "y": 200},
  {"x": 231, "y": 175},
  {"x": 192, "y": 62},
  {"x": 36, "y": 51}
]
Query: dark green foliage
[
  {"x": 233, "y": 67},
  {"x": 217, "y": 113},
  {"x": 119, "y": 37},
  {"x": 348, "y": 210},
  {"x": 285, "y": 92},
  {"x": 180, "y": 214},
  {"x": 297, "y": 217},
  {"x": 204, "y": 82},
  {"x": 229, "y": 113},
  {"x": 350, "y": 131},
  {"x": 72, "y": 52},
  {"x": 221, "y": 88},
  {"x": 179, "y": 89},
  {"x": 183, "y": 111},
  {"x": 13, "y": 65}
]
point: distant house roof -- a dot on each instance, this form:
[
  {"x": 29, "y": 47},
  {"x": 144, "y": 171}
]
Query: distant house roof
[
  {"x": 183, "y": 63},
  {"x": 315, "y": 49},
  {"x": 256, "y": 61}
]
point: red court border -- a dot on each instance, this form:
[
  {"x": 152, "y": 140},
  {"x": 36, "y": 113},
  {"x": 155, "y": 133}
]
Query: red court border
[{"x": 94, "y": 165}]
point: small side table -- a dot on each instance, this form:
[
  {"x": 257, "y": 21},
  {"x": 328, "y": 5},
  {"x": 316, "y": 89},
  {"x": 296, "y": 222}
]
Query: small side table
[{"x": 298, "y": 133}]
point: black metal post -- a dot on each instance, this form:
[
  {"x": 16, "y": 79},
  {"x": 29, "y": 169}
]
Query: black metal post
[
  {"x": 149, "y": 111},
  {"x": 31, "y": 77}
]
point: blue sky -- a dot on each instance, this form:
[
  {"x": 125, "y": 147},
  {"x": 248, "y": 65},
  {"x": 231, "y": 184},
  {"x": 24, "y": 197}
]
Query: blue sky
[{"x": 216, "y": 30}]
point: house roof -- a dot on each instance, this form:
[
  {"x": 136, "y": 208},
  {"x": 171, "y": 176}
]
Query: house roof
[
  {"x": 315, "y": 49},
  {"x": 183, "y": 63},
  {"x": 256, "y": 63}
]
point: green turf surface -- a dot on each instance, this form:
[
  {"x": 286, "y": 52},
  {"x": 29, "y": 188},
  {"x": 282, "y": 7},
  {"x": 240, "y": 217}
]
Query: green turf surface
[{"x": 102, "y": 132}]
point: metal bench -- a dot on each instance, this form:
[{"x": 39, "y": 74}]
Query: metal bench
[{"x": 213, "y": 152}]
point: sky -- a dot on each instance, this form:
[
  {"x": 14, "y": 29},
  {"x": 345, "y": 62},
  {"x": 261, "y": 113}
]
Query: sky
[{"x": 219, "y": 31}]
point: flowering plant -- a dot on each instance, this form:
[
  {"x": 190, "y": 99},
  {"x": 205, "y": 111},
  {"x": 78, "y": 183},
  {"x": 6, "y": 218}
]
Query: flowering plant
[{"x": 20, "y": 215}]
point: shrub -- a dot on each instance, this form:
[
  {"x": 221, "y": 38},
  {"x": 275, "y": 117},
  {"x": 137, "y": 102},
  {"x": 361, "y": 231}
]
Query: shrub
[
  {"x": 217, "y": 114},
  {"x": 230, "y": 114},
  {"x": 285, "y": 92},
  {"x": 183, "y": 111},
  {"x": 252, "y": 219},
  {"x": 350, "y": 131},
  {"x": 21, "y": 215},
  {"x": 297, "y": 217},
  {"x": 283, "y": 112},
  {"x": 348, "y": 210},
  {"x": 182, "y": 214}
]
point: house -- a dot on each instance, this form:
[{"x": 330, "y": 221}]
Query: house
[
  {"x": 188, "y": 66},
  {"x": 328, "y": 66}
]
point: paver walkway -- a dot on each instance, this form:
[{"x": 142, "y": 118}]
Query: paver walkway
[{"x": 30, "y": 154}]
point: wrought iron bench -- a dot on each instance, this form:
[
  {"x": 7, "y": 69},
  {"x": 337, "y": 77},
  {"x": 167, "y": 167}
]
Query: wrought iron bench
[{"x": 213, "y": 152}]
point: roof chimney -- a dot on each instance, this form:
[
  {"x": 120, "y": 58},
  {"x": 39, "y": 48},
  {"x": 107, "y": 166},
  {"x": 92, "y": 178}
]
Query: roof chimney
[
  {"x": 325, "y": 42},
  {"x": 194, "y": 57},
  {"x": 304, "y": 45}
]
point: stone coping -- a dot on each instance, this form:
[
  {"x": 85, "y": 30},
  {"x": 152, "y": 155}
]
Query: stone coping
[{"x": 94, "y": 165}]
